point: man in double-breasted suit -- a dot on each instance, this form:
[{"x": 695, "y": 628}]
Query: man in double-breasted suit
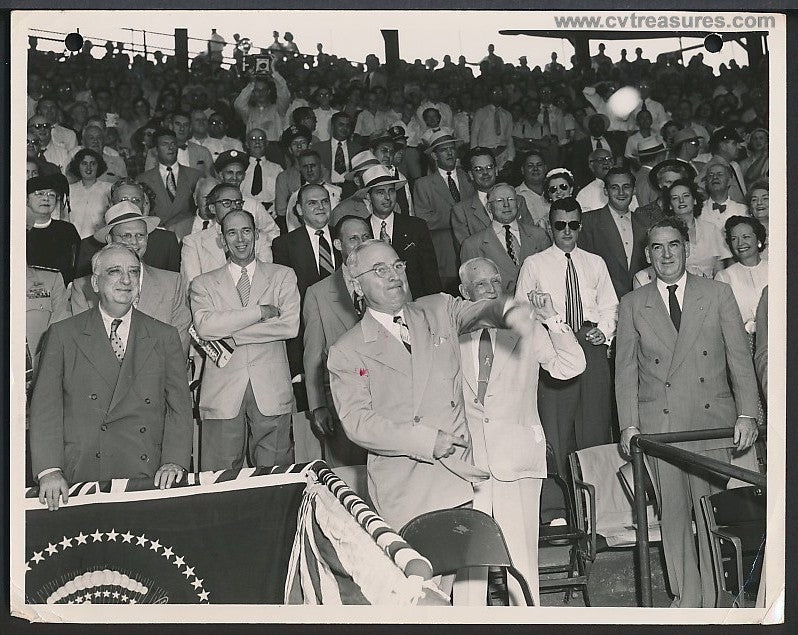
[
  {"x": 172, "y": 183},
  {"x": 162, "y": 294},
  {"x": 509, "y": 238},
  {"x": 679, "y": 342},
  {"x": 331, "y": 308},
  {"x": 500, "y": 377},
  {"x": 111, "y": 397},
  {"x": 434, "y": 196},
  {"x": 614, "y": 233},
  {"x": 396, "y": 382},
  {"x": 254, "y": 306}
]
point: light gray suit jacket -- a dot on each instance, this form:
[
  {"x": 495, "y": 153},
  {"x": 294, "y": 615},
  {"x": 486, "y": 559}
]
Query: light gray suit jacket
[{"x": 171, "y": 212}]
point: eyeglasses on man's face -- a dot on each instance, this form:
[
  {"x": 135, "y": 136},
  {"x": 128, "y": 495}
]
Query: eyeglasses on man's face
[
  {"x": 227, "y": 203},
  {"x": 382, "y": 270},
  {"x": 573, "y": 225}
]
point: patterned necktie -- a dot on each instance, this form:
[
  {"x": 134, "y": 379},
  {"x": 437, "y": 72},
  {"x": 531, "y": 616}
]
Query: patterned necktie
[
  {"x": 573, "y": 300},
  {"x": 546, "y": 121},
  {"x": 243, "y": 287},
  {"x": 171, "y": 186},
  {"x": 720, "y": 207},
  {"x": 326, "y": 263},
  {"x": 384, "y": 237},
  {"x": 599, "y": 145},
  {"x": 116, "y": 341},
  {"x": 485, "y": 364},
  {"x": 509, "y": 241},
  {"x": 497, "y": 123},
  {"x": 340, "y": 161},
  {"x": 360, "y": 303},
  {"x": 257, "y": 178},
  {"x": 404, "y": 332},
  {"x": 673, "y": 306},
  {"x": 453, "y": 187},
  {"x": 401, "y": 195}
]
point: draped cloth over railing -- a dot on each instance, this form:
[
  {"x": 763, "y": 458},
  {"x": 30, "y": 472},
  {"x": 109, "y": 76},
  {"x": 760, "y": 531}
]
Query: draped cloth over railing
[{"x": 344, "y": 553}]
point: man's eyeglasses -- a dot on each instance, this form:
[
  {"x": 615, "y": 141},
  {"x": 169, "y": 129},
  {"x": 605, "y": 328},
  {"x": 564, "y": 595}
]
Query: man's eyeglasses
[
  {"x": 481, "y": 170},
  {"x": 573, "y": 225},
  {"x": 136, "y": 200},
  {"x": 258, "y": 138},
  {"x": 382, "y": 270},
  {"x": 39, "y": 126},
  {"x": 46, "y": 194},
  {"x": 601, "y": 160},
  {"x": 227, "y": 203},
  {"x": 564, "y": 187}
]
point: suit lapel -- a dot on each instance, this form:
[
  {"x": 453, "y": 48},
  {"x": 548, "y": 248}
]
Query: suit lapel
[
  {"x": 94, "y": 344},
  {"x": 260, "y": 282},
  {"x": 480, "y": 213},
  {"x": 612, "y": 238},
  {"x": 443, "y": 189},
  {"x": 137, "y": 353},
  {"x": 656, "y": 314},
  {"x": 693, "y": 315},
  {"x": 639, "y": 239},
  {"x": 227, "y": 289},
  {"x": 383, "y": 347},
  {"x": 423, "y": 349},
  {"x": 150, "y": 294},
  {"x": 506, "y": 341},
  {"x": 529, "y": 245},
  {"x": 467, "y": 355},
  {"x": 340, "y": 300},
  {"x": 496, "y": 250}
]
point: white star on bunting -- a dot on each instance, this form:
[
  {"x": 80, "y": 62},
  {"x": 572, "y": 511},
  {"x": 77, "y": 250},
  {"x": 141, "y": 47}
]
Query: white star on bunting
[
  {"x": 203, "y": 595},
  {"x": 81, "y": 538},
  {"x": 127, "y": 536},
  {"x": 98, "y": 536},
  {"x": 65, "y": 543},
  {"x": 167, "y": 552},
  {"x": 37, "y": 557},
  {"x": 155, "y": 545},
  {"x": 197, "y": 583},
  {"x": 112, "y": 535},
  {"x": 51, "y": 549},
  {"x": 141, "y": 540},
  {"x": 179, "y": 562},
  {"x": 188, "y": 572}
]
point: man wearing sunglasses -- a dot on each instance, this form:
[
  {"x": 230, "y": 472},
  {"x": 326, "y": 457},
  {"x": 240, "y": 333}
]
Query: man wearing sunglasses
[
  {"x": 395, "y": 380},
  {"x": 50, "y": 150},
  {"x": 575, "y": 413}
]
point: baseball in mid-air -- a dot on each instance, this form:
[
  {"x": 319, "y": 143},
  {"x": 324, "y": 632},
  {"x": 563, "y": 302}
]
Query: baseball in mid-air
[{"x": 623, "y": 101}]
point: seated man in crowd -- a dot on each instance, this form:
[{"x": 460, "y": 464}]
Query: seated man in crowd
[
  {"x": 254, "y": 307},
  {"x": 190, "y": 154},
  {"x": 161, "y": 293},
  {"x": 115, "y": 404},
  {"x": 260, "y": 178}
]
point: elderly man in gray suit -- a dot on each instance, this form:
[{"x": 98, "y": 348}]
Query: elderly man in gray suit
[
  {"x": 680, "y": 341},
  {"x": 161, "y": 294},
  {"x": 331, "y": 308}
]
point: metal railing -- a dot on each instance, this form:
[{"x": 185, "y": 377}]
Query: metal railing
[{"x": 657, "y": 445}]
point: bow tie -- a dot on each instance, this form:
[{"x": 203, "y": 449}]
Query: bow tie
[{"x": 719, "y": 207}]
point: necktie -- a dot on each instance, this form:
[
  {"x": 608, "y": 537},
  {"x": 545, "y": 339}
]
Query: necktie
[
  {"x": 243, "y": 287},
  {"x": 340, "y": 161},
  {"x": 546, "y": 121},
  {"x": 257, "y": 178},
  {"x": 116, "y": 341},
  {"x": 205, "y": 224},
  {"x": 485, "y": 364},
  {"x": 497, "y": 124},
  {"x": 573, "y": 300},
  {"x": 719, "y": 207},
  {"x": 509, "y": 241},
  {"x": 401, "y": 196},
  {"x": 643, "y": 106},
  {"x": 326, "y": 263},
  {"x": 384, "y": 237},
  {"x": 404, "y": 332},
  {"x": 360, "y": 303},
  {"x": 673, "y": 306},
  {"x": 599, "y": 145},
  {"x": 453, "y": 187},
  {"x": 171, "y": 186}
]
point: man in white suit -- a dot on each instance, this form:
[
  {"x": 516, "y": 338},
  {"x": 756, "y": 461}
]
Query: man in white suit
[
  {"x": 500, "y": 376},
  {"x": 254, "y": 306},
  {"x": 204, "y": 251}
]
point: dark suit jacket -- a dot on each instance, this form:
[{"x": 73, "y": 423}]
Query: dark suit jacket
[
  {"x": 577, "y": 153},
  {"x": 599, "y": 235},
  {"x": 163, "y": 252},
  {"x": 413, "y": 244},
  {"x": 669, "y": 381},
  {"x": 294, "y": 250},
  {"x": 486, "y": 244},
  {"x": 325, "y": 152},
  {"x": 96, "y": 420},
  {"x": 183, "y": 206}
]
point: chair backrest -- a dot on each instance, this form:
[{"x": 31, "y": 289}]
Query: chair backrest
[
  {"x": 452, "y": 539},
  {"x": 739, "y": 506}
]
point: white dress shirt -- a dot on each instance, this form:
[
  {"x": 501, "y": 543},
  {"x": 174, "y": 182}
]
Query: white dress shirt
[
  {"x": 545, "y": 271},
  {"x": 314, "y": 242},
  {"x": 454, "y": 177},
  {"x": 376, "y": 224},
  {"x": 624, "y": 224},
  {"x": 714, "y": 216},
  {"x": 175, "y": 170},
  {"x": 662, "y": 287},
  {"x": 197, "y": 225},
  {"x": 593, "y": 196},
  {"x": 386, "y": 320},
  {"x": 323, "y": 118},
  {"x": 498, "y": 229},
  {"x": 269, "y": 170},
  {"x": 217, "y": 146},
  {"x": 235, "y": 271}
]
